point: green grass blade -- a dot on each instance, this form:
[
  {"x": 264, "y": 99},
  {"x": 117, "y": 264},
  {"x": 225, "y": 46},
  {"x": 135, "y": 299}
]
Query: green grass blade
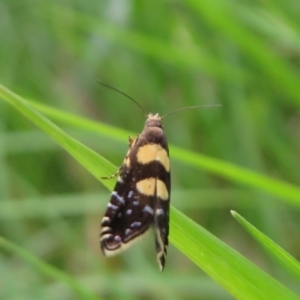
[
  {"x": 93, "y": 162},
  {"x": 186, "y": 58},
  {"x": 82, "y": 123},
  {"x": 221, "y": 16},
  {"x": 47, "y": 269},
  {"x": 237, "y": 275},
  {"x": 284, "y": 258},
  {"x": 287, "y": 192}
]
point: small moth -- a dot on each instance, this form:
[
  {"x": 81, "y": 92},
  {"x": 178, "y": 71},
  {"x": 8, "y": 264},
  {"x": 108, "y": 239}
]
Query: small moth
[{"x": 141, "y": 197}]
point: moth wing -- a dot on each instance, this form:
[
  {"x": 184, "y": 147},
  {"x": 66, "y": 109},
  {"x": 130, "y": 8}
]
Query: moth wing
[
  {"x": 161, "y": 217},
  {"x": 129, "y": 213}
]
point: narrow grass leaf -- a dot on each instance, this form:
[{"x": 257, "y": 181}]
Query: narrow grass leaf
[
  {"x": 287, "y": 192},
  {"x": 236, "y": 274},
  {"x": 47, "y": 269},
  {"x": 93, "y": 162},
  {"x": 181, "y": 57},
  {"x": 81, "y": 122},
  {"x": 220, "y": 17},
  {"x": 284, "y": 258}
]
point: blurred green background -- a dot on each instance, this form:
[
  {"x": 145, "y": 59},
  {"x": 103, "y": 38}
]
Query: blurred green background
[{"x": 165, "y": 54}]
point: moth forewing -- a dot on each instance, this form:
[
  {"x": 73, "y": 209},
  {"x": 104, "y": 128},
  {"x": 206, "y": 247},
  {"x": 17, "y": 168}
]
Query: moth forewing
[{"x": 141, "y": 197}]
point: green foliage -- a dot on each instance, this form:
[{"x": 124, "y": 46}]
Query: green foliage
[
  {"x": 287, "y": 261},
  {"x": 168, "y": 54},
  {"x": 228, "y": 268}
]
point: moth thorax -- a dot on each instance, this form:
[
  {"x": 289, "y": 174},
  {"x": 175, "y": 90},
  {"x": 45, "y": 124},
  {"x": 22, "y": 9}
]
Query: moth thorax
[{"x": 153, "y": 121}]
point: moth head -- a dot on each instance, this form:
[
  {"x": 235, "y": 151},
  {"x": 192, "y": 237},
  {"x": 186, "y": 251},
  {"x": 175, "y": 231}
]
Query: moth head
[{"x": 153, "y": 120}]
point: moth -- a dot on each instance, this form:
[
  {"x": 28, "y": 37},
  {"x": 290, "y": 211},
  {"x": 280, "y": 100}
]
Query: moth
[{"x": 141, "y": 197}]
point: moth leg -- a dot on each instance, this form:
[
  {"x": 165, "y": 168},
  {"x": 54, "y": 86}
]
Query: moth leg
[
  {"x": 132, "y": 141},
  {"x": 113, "y": 175}
]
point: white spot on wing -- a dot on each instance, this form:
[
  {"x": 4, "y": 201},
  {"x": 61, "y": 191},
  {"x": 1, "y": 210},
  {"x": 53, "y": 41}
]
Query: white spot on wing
[
  {"x": 148, "y": 209},
  {"x": 130, "y": 194},
  {"x": 135, "y": 224},
  {"x": 159, "y": 212},
  {"x": 129, "y": 211},
  {"x": 111, "y": 206},
  {"x": 117, "y": 238},
  {"x": 119, "y": 198},
  {"x": 127, "y": 231}
]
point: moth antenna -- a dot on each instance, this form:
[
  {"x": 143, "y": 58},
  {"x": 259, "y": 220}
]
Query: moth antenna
[
  {"x": 191, "y": 107},
  {"x": 122, "y": 93}
]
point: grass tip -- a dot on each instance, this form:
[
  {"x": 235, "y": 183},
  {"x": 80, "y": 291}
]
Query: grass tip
[{"x": 233, "y": 213}]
